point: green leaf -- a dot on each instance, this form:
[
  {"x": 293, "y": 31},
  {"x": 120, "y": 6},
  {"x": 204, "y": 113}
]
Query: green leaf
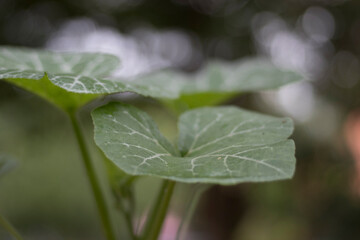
[
  {"x": 241, "y": 76},
  {"x": 43, "y": 87},
  {"x": 6, "y": 164},
  {"x": 68, "y": 80},
  {"x": 220, "y": 81},
  {"x": 223, "y": 145}
]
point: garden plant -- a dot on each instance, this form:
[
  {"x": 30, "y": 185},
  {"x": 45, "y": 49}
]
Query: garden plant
[{"x": 216, "y": 144}]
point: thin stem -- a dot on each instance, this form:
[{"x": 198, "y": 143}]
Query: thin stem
[
  {"x": 127, "y": 214},
  {"x": 103, "y": 208},
  {"x": 128, "y": 219},
  {"x": 123, "y": 193},
  {"x": 190, "y": 209},
  {"x": 157, "y": 216},
  {"x": 8, "y": 227}
]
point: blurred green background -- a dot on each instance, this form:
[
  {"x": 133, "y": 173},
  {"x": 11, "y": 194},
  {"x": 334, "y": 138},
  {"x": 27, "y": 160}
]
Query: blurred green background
[{"x": 47, "y": 195}]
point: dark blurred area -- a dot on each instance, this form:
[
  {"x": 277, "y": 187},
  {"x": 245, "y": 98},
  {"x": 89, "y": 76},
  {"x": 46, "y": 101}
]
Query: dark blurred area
[{"x": 47, "y": 196}]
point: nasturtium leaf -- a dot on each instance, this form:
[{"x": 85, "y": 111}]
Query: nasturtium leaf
[
  {"x": 219, "y": 81},
  {"x": 240, "y": 76},
  {"x": 6, "y": 164},
  {"x": 68, "y": 80},
  {"x": 222, "y": 145}
]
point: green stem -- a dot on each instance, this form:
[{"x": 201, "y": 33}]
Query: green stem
[
  {"x": 157, "y": 216},
  {"x": 127, "y": 214},
  {"x": 190, "y": 209},
  {"x": 8, "y": 227},
  {"x": 103, "y": 208},
  {"x": 130, "y": 226}
]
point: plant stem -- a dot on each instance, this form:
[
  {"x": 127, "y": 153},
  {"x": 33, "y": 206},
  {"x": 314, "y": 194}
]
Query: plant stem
[
  {"x": 127, "y": 214},
  {"x": 6, "y": 225},
  {"x": 157, "y": 216},
  {"x": 103, "y": 208},
  {"x": 128, "y": 220},
  {"x": 190, "y": 209}
]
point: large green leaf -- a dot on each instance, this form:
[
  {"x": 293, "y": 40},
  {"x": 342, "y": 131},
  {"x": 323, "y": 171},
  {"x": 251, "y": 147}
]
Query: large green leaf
[
  {"x": 219, "y": 81},
  {"x": 81, "y": 77},
  {"x": 68, "y": 80},
  {"x": 6, "y": 164},
  {"x": 224, "y": 145}
]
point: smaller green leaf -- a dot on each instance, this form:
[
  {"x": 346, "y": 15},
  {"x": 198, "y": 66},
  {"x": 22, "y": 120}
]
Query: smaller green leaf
[
  {"x": 224, "y": 145},
  {"x": 220, "y": 81},
  {"x": 6, "y": 164},
  {"x": 240, "y": 76}
]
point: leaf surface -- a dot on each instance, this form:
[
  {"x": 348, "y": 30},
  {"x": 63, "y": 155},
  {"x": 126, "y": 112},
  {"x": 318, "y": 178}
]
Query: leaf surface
[
  {"x": 240, "y": 76},
  {"x": 223, "y": 145},
  {"x": 62, "y": 77},
  {"x": 220, "y": 81}
]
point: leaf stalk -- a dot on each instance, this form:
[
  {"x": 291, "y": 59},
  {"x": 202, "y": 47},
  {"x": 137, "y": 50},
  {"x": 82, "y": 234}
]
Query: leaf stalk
[
  {"x": 157, "y": 216},
  {"x": 190, "y": 209},
  {"x": 102, "y": 206}
]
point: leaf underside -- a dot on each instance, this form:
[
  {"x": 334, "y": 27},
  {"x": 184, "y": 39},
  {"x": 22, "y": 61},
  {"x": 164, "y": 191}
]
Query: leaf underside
[
  {"x": 222, "y": 145},
  {"x": 62, "y": 78}
]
